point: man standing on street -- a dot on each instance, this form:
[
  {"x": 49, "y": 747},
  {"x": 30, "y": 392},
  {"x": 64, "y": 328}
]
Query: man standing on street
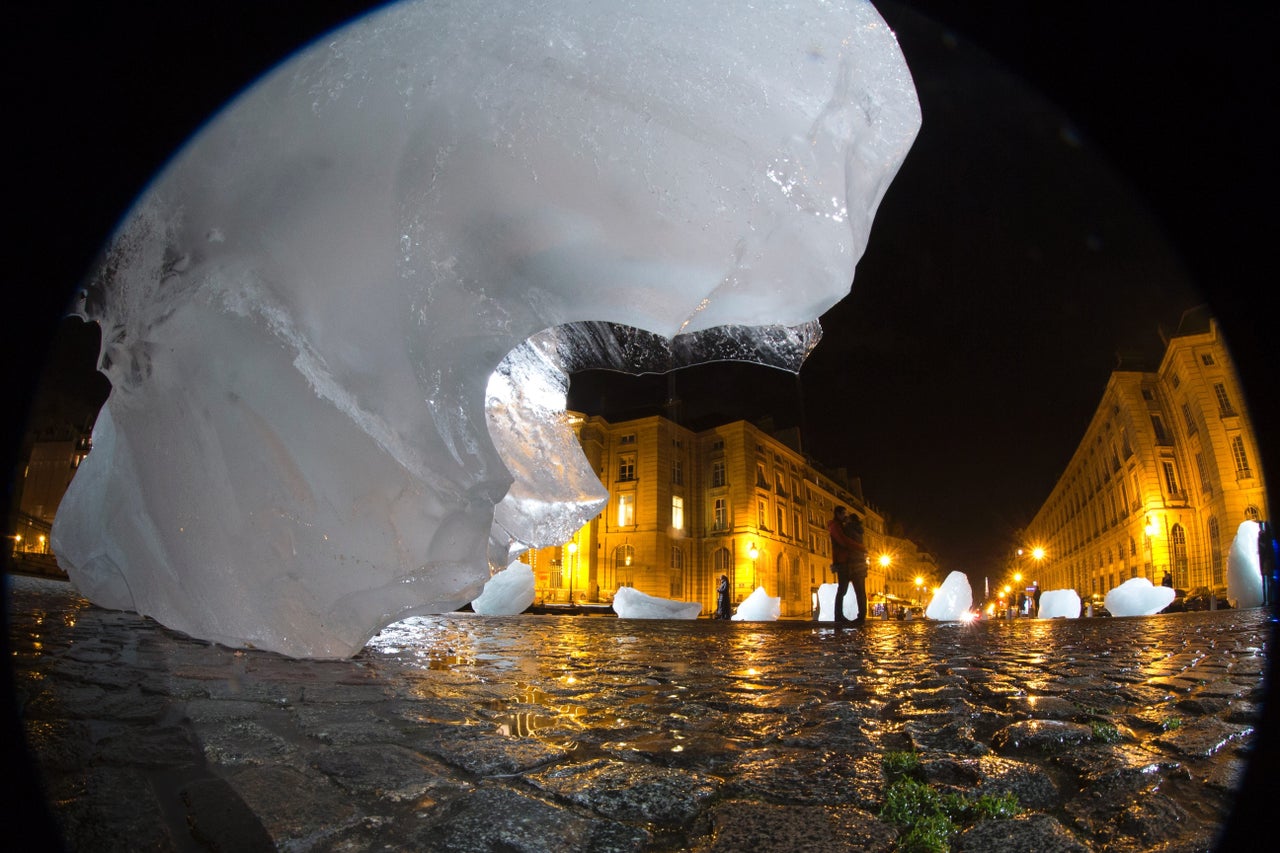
[{"x": 849, "y": 562}]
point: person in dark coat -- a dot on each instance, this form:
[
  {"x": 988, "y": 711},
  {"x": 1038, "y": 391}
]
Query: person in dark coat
[
  {"x": 722, "y": 598},
  {"x": 849, "y": 562}
]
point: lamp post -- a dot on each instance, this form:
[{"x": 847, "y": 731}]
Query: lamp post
[
  {"x": 573, "y": 566},
  {"x": 885, "y": 562},
  {"x": 753, "y": 552}
]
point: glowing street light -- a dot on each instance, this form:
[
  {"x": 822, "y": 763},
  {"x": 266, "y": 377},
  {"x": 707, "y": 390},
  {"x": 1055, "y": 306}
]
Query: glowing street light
[
  {"x": 753, "y": 552},
  {"x": 572, "y": 548}
]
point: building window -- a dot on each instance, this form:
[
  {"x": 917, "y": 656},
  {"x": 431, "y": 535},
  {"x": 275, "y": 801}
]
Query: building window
[
  {"x": 1170, "y": 477},
  {"x": 1215, "y": 552},
  {"x": 717, "y": 473},
  {"x": 626, "y": 468},
  {"x": 1206, "y": 485},
  {"x": 1251, "y": 513},
  {"x": 1241, "y": 459},
  {"x": 762, "y": 515},
  {"x": 780, "y": 484},
  {"x": 718, "y": 444},
  {"x": 720, "y": 515},
  {"x": 626, "y": 510},
  {"x": 781, "y": 518},
  {"x": 677, "y": 512},
  {"x": 1125, "y": 447},
  {"x": 1191, "y": 421},
  {"x": 629, "y": 438},
  {"x": 1177, "y": 380},
  {"x": 1178, "y": 541},
  {"x": 677, "y": 472},
  {"x": 1206, "y": 359},
  {"x": 761, "y": 480},
  {"x": 1157, "y": 424},
  {"x": 677, "y": 573},
  {"x": 1224, "y": 402}
]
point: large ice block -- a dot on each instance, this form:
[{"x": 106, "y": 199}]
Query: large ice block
[
  {"x": 1059, "y": 604},
  {"x": 1138, "y": 597},
  {"x": 302, "y": 315},
  {"x": 631, "y": 603},
  {"x": 953, "y": 601},
  {"x": 1244, "y": 569}
]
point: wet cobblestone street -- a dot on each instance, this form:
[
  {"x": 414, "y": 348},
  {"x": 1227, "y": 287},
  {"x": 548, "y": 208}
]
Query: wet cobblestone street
[{"x": 558, "y": 733}]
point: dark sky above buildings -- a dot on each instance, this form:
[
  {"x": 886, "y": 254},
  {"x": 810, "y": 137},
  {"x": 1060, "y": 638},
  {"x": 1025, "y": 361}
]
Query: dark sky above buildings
[{"x": 1085, "y": 172}]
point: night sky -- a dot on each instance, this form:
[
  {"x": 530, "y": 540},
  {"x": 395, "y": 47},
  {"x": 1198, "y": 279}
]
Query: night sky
[{"x": 1083, "y": 175}]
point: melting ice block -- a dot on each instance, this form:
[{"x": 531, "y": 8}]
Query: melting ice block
[
  {"x": 507, "y": 593},
  {"x": 759, "y": 606},
  {"x": 632, "y": 604},
  {"x": 1055, "y": 603},
  {"x": 1244, "y": 572},
  {"x": 827, "y": 603},
  {"x": 302, "y": 315},
  {"x": 953, "y": 600},
  {"x": 1137, "y": 597}
]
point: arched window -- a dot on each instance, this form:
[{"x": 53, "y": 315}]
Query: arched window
[
  {"x": 1178, "y": 545},
  {"x": 1251, "y": 513},
  {"x": 1215, "y": 552}
]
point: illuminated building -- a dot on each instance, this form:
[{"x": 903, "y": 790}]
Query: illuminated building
[
  {"x": 1167, "y": 470},
  {"x": 686, "y": 507}
]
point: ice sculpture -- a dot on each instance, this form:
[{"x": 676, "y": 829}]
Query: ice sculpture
[
  {"x": 507, "y": 593},
  {"x": 1244, "y": 570},
  {"x": 827, "y": 603},
  {"x": 632, "y": 604},
  {"x": 953, "y": 600},
  {"x": 1138, "y": 597},
  {"x": 1059, "y": 604},
  {"x": 759, "y": 606},
  {"x": 302, "y": 314}
]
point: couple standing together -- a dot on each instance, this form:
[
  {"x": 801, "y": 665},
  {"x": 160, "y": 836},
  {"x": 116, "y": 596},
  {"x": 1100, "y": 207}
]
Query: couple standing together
[{"x": 849, "y": 562}]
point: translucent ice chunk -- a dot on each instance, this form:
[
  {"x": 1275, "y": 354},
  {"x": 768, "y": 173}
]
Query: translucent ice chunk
[
  {"x": 953, "y": 600},
  {"x": 759, "y": 606},
  {"x": 632, "y": 604},
  {"x": 827, "y": 603},
  {"x": 507, "y": 593},
  {"x": 303, "y": 316},
  {"x": 1137, "y": 597},
  {"x": 1244, "y": 572},
  {"x": 1055, "y": 603}
]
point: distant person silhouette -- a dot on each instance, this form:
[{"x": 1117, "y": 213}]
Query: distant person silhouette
[{"x": 722, "y": 598}]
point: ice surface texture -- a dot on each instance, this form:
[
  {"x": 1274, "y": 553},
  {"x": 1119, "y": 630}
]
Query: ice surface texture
[
  {"x": 1059, "y": 603},
  {"x": 953, "y": 600},
  {"x": 1138, "y": 597},
  {"x": 302, "y": 314},
  {"x": 1244, "y": 570},
  {"x": 633, "y": 604},
  {"x": 759, "y": 606}
]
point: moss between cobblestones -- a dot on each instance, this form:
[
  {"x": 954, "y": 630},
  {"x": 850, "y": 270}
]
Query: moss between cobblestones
[{"x": 927, "y": 819}]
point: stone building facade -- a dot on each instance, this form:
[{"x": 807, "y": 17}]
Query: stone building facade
[
  {"x": 1167, "y": 470},
  {"x": 686, "y": 507}
]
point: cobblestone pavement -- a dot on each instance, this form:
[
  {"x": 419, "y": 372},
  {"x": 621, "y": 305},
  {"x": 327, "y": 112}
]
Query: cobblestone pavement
[{"x": 590, "y": 733}]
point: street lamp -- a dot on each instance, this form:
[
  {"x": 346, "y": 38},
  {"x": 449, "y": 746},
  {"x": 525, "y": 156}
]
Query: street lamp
[
  {"x": 573, "y": 566},
  {"x": 753, "y": 552}
]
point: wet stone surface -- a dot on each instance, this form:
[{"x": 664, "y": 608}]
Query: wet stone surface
[{"x": 556, "y": 733}]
